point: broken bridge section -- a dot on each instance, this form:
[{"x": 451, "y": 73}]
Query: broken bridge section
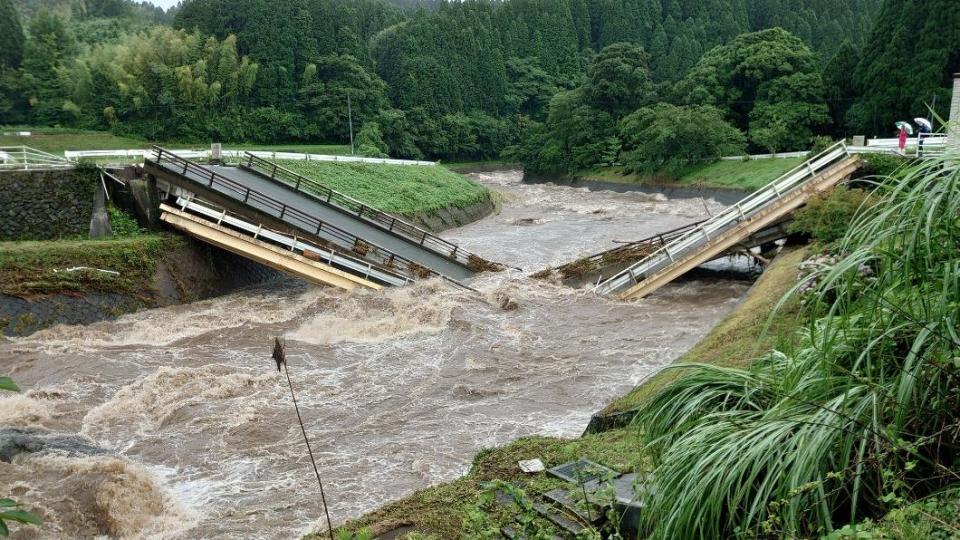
[
  {"x": 264, "y": 194},
  {"x": 757, "y": 218}
]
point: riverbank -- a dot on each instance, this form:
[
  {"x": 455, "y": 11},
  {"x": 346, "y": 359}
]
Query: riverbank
[
  {"x": 742, "y": 175},
  {"x": 441, "y": 511},
  {"x": 44, "y": 283}
]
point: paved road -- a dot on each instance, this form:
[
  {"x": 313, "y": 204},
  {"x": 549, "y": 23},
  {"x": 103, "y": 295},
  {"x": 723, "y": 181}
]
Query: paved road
[{"x": 326, "y": 213}]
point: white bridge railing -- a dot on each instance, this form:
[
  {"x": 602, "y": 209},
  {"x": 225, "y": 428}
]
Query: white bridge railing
[
  {"x": 238, "y": 154},
  {"x": 933, "y": 144},
  {"x": 24, "y": 158},
  {"x": 729, "y": 218}
]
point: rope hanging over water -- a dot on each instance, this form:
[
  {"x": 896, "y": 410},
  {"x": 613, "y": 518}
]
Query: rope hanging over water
[{"x": 280, "y": 357}]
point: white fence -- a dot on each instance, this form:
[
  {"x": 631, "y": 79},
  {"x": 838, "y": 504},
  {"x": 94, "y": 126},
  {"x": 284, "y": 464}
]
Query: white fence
[
  {"x": 237, "y": 154},
  {"x": 24, "y": 158},
  {"x": 782, "y": 155},
  {"x": 933, "y": 144}
]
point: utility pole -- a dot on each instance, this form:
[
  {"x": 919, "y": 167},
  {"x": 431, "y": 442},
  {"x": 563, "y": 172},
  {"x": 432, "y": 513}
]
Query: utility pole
[{"x": 350, "y": 120}]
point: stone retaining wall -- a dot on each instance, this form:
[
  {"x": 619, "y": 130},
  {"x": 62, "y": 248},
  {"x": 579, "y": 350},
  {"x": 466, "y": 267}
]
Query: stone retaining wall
[
  {"x": 46, "y": 205},
  {"x": 451, "y": 217}
]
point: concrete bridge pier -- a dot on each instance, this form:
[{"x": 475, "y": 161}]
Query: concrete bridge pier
[{"x": 953, "y": 129}]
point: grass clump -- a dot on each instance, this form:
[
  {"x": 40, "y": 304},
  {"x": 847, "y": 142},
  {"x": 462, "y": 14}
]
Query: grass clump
[
  {"x": 401, "y": 189},
  {"x": 826, "y": 217},
  {"x": 38, "y": 268},
  {"x": 934, "y": 518},
  {"x": 857, "y": 418}
]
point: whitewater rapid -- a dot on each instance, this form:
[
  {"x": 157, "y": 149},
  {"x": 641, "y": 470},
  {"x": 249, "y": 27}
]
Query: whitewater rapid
[{"x": 398, "y": 389}]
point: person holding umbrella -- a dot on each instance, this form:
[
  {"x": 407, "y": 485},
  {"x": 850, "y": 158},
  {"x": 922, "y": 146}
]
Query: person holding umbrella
[
  {"x": 925, "y": 129},
  {"x": 905, "y": 130}
]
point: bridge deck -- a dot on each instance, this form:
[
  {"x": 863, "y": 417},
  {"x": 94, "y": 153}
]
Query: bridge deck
[
  {"x": 308, "y": 212},
  {"x": 263, "y": 252},
  {"x": 730, "y": 229}
]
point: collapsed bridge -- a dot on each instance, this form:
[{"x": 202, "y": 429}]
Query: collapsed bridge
[
  {"x": 294, "y": 223},
  {"x": 260, "y": 207}
]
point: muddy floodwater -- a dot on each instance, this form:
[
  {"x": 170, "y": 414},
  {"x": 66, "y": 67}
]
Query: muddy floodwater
[{"x": 399, "y": 389}]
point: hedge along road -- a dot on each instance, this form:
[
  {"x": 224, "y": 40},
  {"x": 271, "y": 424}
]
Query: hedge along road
[{"x": 398, "y": 389}]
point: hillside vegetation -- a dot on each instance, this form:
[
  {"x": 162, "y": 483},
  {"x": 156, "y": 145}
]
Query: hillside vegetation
[{"x": 462, "y": 81}]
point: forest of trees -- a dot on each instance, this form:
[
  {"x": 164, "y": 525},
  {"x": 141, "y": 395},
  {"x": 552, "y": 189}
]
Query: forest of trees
[{"x": 560, "y": 84}]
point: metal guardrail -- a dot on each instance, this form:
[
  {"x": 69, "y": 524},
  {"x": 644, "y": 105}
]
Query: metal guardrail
[
  {"x": 781, "y": 155},
  {"x": 239, "y": 154},
  {"x": 298, "y": 218},
  {"x": 729, "y": 218},
  {"x": 24, "y": 158},
  {"x": 321, "y": 193},
  {"x": 353, "y": 265}
]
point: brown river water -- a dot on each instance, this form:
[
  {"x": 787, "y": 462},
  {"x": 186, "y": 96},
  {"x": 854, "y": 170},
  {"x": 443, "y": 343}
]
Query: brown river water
[{"x": 398, "y": 389}]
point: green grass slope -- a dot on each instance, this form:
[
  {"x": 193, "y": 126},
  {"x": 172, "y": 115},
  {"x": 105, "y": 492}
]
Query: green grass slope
[
  {"x": 38, "y": 268},
  {"x": 401, "y": 189}
]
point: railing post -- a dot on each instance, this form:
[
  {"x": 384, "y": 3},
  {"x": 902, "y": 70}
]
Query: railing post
[{"x": 283, "y": 210}]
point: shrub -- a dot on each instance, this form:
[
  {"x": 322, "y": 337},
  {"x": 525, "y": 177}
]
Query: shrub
[
  {"x": 883, "y": 165},
  {"x": 369, "y": 141},
  {"x": 827, "y": 217},
  {"x": 670, "y": 137},
  {"x": 122, "y": 224}
]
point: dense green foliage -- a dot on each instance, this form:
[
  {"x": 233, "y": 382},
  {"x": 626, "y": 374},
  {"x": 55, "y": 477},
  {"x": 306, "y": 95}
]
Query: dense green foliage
[
  {"x": 445, "y": 80},
  {"x": 11, "y": 36},
  {"x": 403, "y": 189},
  {"x": 858, "y": 417},
  {"x": 667, "y": 137},
  {"x": 907, "y": 64},
  {"x": 764, "y": 85}
]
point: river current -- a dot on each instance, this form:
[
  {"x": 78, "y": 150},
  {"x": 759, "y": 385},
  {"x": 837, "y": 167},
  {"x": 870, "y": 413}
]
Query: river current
[{"x": 398, "y": 389}]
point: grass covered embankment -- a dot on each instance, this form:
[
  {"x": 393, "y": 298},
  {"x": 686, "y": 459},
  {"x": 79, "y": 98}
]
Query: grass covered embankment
[
  {"x": 746, "y": 175},
  {"x": 400, "y": 189},
  {"x": 442, "y": 511},
  {"x": 39, "y": 268}
]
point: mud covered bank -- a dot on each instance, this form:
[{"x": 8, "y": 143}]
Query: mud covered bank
[{"x": 82, "y": 282}]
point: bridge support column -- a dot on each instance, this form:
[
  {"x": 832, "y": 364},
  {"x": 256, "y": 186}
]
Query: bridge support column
[{"x": 953, "y": 130}]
